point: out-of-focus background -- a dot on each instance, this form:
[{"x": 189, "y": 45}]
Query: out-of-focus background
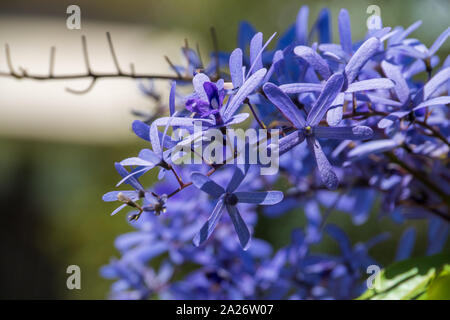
[{"x": 57, "y": 149}]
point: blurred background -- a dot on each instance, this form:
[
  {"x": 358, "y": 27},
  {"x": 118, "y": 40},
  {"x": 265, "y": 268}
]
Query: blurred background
[{"x": 57, "y": 148}]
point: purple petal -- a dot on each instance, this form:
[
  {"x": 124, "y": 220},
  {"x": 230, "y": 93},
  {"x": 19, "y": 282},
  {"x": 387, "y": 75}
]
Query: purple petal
[
  {"x": 433, "y": 102},
  {"x": 438, "y": 80},
  {"x": 256, "y": 65},
  {"x": 323, "y": 103},
  {"x": 278, "y": 58},
  {"x": 371, "y": 84},
  {"x": 334, "y": 116},
  {"x": 255, "y": 49},
  {"x": 295, "y": 88},
  {"x": 207, "y": 185},
  {"x": 198, "y": 81},
  {"x": 377, "y": 99},
  {"x": 209, "y": 226},
  {"x": 172, "y": 97},
  {"x": 262, "y": 198},
  {"x": 130, "y": 178},
  {"x": 344, "y": 242},
  {"x": 345, "y": 31},
  {"x": 394, "y": 72},
  {"x": 406, "y": 244},
  {"x": 372, "y": 147},
  {"x": 343, "y": 133},
  {"x": 327, "y": 174},
  {"x": 145, "y": 253},
  {"x": 238, "y": 118},
  {"x": 290, "y": 141},
  {"x": 112, "y": 196},
  {"x": 408, "y": 31},
  {"x": 390, "y": 119},
  {"x": 239, "y": 226},
  {"x": 360, "y": 57},
  {"x": 135, "y": 161},
  {"x": 439, "y": 42},
  {"x": 301, "y": 25},
  {"x": 284, "y": 104},
  {"x": 236, "y": 179},
  {"x": 247, "y": 88},
  {"x": 141, "y": 129},
  {"x": 235, "y": 64},
  {"x": 314, "y": 59},
  {"x": 119, "y": 208}
]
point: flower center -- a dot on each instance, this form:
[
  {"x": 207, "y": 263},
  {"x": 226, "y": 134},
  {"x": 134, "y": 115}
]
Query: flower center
[
  {"x": 308, "y": 130},
  {"x": 231, "y": 199}
]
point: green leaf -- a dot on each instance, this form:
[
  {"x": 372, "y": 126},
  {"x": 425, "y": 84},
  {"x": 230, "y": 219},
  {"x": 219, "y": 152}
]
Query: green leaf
[{"x": 418, "y": 278}]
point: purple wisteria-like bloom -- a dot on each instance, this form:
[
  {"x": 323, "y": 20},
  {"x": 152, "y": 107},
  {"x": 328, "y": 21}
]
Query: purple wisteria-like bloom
[{"x": 359, "y": 104}]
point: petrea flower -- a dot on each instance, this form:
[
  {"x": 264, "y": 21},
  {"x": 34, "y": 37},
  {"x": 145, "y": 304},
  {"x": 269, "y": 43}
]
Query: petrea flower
[
  {"x": 310, "y": 128},
  {"x": 229, "y": 198},
  {"x": 351, "y": 71},
  {"x": 422, "y": 99}
]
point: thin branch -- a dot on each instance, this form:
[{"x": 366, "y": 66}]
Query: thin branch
[
  {"x": 51, "y": 62},
  {"x": 113, "y": 53}
]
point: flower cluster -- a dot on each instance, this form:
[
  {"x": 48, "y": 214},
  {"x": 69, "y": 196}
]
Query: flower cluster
[{"x": 360, "y": 122}]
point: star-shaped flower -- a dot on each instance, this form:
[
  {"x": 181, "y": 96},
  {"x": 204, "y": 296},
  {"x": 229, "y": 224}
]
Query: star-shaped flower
[
  {"x": 310, "y": 128},
  {"x": 229, "y": 198}
]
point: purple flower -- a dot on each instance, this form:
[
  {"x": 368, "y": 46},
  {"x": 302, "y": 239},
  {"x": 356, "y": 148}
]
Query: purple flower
[
  {"x": 310, "y": 130},
  {"x": 228, "y": 198}
]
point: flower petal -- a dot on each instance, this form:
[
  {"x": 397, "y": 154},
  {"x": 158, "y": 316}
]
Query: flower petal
[
  {"x": 334, "y": 116},
  {"x": 439, "y": 42},
  {"x": 295, "y": 88},
  {"x": 172, "y": 94},
  {"x": 345, "y": 31},
  {"x": 262, "y": 198},
  {"x": 433, "y": 102},
  {"x": 343, "y": 133},
  {"x": 141, "y": 129},
  {"x": 314, "y": 59},
  {"x": 209, "y": 226},
  {"x": 372, "y": 147},
  {"x": 394, "y": 72},
  {"x": 198, "y": 81},
  {"x": 255, "y": 49},
  {"x": 327, "y": 174},
  {"x": 240, "y": 226},
  {"x": 235, "y": 64},
  {"x": 290, "y": 141},
  {"x": 207, "y": 185},
  {"x": 324, "y": 102},
  {"x": 301, "y": 25},
  {"x": 390, "y": 119},
  {"x": 360, "y": 57},
  {"x": 112, "y": 195},
  {"x": 238, "y": 175},
  {"x": 371, "y": 84},
  {"x": 247, "y": 88},
  {"x": 284, "y": 104},
  {"x": 406, "y": 244}
]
